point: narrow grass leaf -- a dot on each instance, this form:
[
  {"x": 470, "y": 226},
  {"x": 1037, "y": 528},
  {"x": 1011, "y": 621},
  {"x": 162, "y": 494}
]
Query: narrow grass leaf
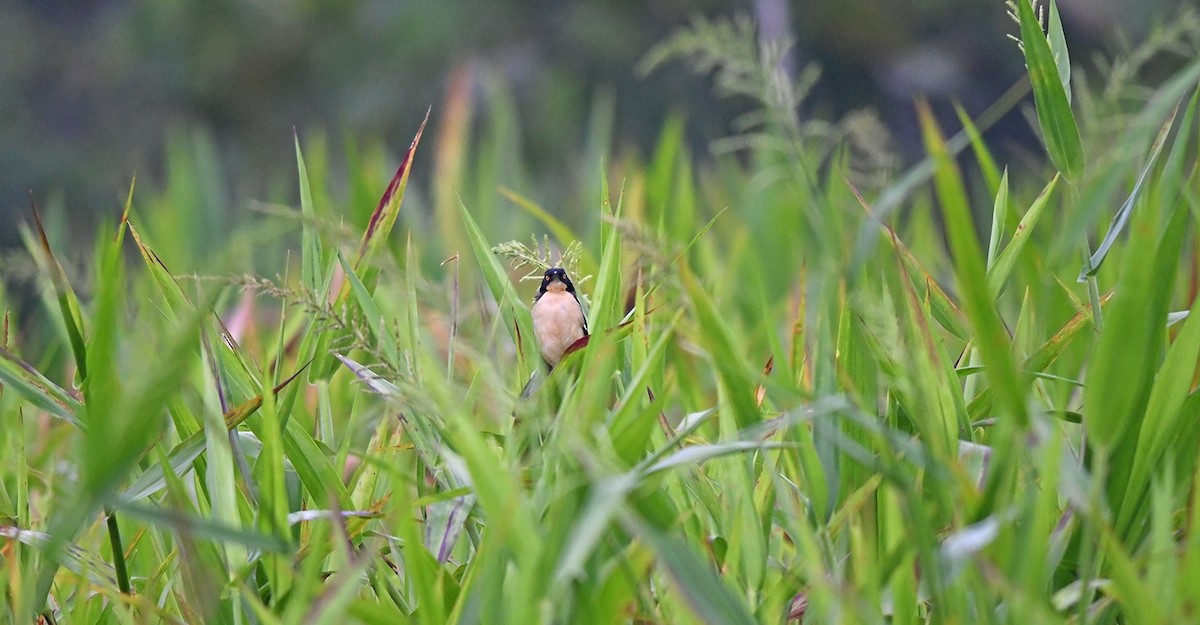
[
  {"x": 698, "y": 454},
  {"x": 725, "y": 354},
  {"x": 605, "y": 311},
  {"x": 371, "y": 312},
  {"x": 557, "y": 228},
  {"x": 202, "y": 527},
  {"x": 983, "y": 154},
  {"x": 183, "y": 455},
  {"x": 606, "y": 499},
  {"x": 311, "y": 263},
  {"x": 1122, "y": 217},
  {"x": 36, "y": 389},
  {"x": 1058, "y": 48},
  {"x": 999, "y": 219},
  {"x": 991, "y": 337},
  {"x": 945, "y": 311},
  {"x": 68, "y": 303},
  {"x": 998, "y": 273}
]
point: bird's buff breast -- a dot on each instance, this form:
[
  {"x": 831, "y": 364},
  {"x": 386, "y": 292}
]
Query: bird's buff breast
[{"x": 557, "y": 322}]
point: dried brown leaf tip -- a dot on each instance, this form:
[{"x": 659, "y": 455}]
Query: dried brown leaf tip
[{"x": 760, "y": 393}]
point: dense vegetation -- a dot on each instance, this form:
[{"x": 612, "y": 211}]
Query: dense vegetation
[{"x": 811, "y": 391}]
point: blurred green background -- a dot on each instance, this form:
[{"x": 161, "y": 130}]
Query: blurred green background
[{"x": 94, "y": 91}]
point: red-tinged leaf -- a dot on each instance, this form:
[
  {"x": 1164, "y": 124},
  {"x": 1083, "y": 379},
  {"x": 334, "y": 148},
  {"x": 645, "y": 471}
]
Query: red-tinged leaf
[
  {"x": 384, "y": 216},
  {"x": 579, "y": 344},
  {"x": 582, "y": 342}
]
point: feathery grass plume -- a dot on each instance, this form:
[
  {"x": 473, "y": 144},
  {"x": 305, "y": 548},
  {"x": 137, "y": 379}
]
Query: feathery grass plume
[
  {"x": 537, "y": 257},
  {"x": 743, "y": 65},
  {"x": 729, "y": 49}
]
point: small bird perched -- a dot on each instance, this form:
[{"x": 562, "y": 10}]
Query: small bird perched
[{"x": 558, "y": 319}]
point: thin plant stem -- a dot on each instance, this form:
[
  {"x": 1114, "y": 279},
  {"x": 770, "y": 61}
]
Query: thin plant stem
[{"x": 114, "y": 539}]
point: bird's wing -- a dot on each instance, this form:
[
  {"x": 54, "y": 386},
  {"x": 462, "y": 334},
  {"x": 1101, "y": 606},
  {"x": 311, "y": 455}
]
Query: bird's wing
[{"x": 581, "y": 314}]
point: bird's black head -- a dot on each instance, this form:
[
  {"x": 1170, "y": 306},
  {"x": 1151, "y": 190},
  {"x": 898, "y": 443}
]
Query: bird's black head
[{"x": 556, "y": 275}]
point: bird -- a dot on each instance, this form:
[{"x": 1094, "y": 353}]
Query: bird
[{"x": 558, "y": 319}]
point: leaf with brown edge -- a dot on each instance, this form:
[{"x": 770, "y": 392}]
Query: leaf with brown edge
[
  {"x": 946, "y": 312},
  {"x": 167, "y": 285},
  {"x": 236, "y": 415},
  {"x": 122, "y": 225},
  {"x": 760, "y": 393},
  {"x": 68, "y": 303}
]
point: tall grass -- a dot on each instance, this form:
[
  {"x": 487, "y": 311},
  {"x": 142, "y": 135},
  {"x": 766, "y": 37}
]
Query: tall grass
[{"x": 798, "y": 401}]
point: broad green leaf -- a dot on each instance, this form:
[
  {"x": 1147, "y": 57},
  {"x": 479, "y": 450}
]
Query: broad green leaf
[
  {"x": 1118, "y": 378},
  {"x": 1058, "y": 48},
  {"x": 1165, "y": 422},
  {"x": 1050, "y": 97},
  {"x": 516, "y": 316}
]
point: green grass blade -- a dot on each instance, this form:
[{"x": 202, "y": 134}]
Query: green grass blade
[
  {"x": 36, "y": 389},
  {"x": 311, "y": 262},
  {"x": 709, "y": 599},
  {"x": 992, "y": 339},
  {"x": 1059, "y": 131},
  {"x": 1058, "y": 49},
  {"x": 998, "y": 273},
  {"x": 1122, "y": 217},
  {"x": 516, "y": 316}
]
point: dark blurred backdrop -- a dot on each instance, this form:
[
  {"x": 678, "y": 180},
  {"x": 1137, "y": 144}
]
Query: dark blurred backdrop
[{"x": 90, "y": 90}]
